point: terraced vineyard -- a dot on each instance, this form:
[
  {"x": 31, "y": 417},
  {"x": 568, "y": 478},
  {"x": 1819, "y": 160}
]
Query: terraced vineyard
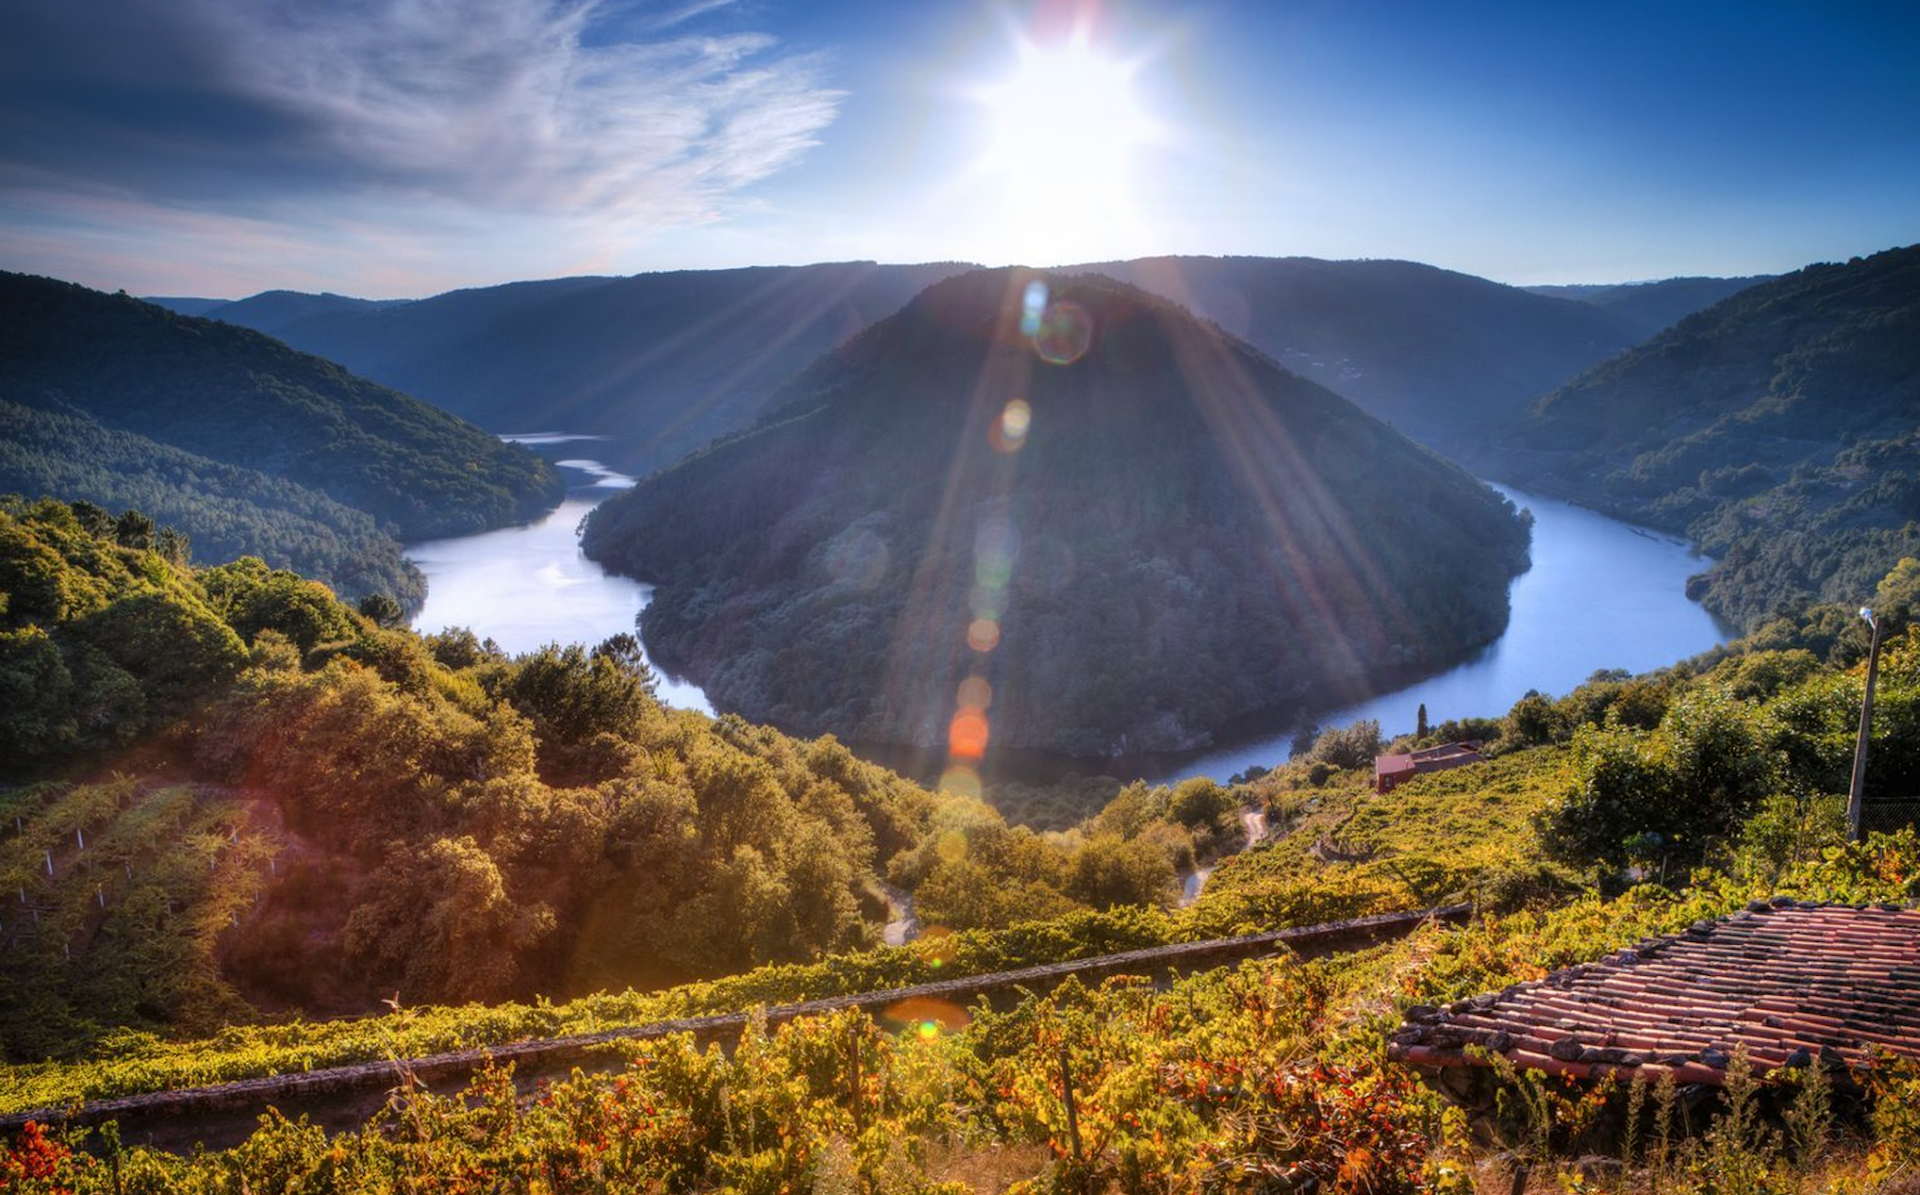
[{"x": 120, "y": 890}]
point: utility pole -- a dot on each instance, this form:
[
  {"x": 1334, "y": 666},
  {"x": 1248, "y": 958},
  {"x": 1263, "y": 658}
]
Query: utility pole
[{"x": 1866, "y": 720}]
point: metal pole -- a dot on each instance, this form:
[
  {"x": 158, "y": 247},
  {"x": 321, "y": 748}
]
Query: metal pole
[{"x": 1854, "y": 801}]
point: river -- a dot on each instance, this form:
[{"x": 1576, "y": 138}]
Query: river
[
  {"x": 527, "y": 586},
  {"x": 1599, "y": 594}
]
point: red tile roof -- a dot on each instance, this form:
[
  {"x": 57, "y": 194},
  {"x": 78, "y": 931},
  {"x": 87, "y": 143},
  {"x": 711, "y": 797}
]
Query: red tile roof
[{"x": 1792, "y": 981}]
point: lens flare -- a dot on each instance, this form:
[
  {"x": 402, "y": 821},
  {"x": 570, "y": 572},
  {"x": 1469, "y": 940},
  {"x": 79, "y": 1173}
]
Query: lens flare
[
  {"x": 927, "y": 1016},
  {"x": 983, "y": 634},
  {"x": 967, "y": 736},
  {"x": 975, "y": 693},
  {"x": 961, "y": 781},
  {"x": 936, "y": 945},
  {"x": 1066, "y": 332},
  {"x": 1032, "y": 304},
  {"x": 1009, "y": 432}
]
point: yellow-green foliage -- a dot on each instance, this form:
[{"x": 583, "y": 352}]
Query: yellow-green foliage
[
  {"x": 123, "y": 929},
  {"x": 1264, "y": 1076},
  {"x": 1342, "y": 850}
]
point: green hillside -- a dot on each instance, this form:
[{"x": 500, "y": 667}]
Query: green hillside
[
  {"x": 224, "y": 510},
  {"x": 658, "y": 364},
  {"x": 330, "y": 811},
  {"x": 1256, "y": 1077},
  {"x": 242, "y": 399},
  {"x": 1776, "y": 428}
]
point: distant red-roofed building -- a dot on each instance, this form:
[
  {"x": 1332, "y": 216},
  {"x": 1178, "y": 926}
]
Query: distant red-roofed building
[
  {"x": 1793, "y": 984},
  {"x": 1391, "y": 770}
]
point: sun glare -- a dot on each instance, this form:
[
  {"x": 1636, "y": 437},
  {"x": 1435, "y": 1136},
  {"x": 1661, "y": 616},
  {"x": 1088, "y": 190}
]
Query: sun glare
[{"x": 1066, "y": 129}]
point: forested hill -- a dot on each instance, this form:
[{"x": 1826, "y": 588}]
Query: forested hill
[
  {"x": 659, "y": 363},
  {"x": 1653, "y": 306},
  {"x": 1443, "y": 356},
  {"x": 225, "y": 511},
  {"x": 1170, "y": 532},
  {"x": 234, "y": 396},
  {"x": 1780, "y": 428}
]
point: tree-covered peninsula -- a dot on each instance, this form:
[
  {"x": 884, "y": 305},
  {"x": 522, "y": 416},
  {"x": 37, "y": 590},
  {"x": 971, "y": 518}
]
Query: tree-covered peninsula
[{"x": 1130, "y": 526}]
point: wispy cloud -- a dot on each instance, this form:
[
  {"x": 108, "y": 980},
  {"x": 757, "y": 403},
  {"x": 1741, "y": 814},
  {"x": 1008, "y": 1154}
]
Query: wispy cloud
[{"x": 591, "y": 121}]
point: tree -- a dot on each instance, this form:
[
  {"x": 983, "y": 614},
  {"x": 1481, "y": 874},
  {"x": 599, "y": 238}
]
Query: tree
[
  {"x": 174, "y": 547},
  {"x": 134, "y": 530},
  {"x": 383, "y": 610},
  {"x": 625, "y": 651},
  {"x": 36, "y": 694},
  {"x": 1531, "y": 721},
  {"x": 1349, "y": 746},
  {"x": 1109, "y": 871},
  {"x": 1420, "y": 722}
]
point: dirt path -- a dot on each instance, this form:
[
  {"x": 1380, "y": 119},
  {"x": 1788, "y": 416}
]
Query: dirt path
[
  {"x": 1255, "y": 820},
  {"x": 903, "y": 923}
]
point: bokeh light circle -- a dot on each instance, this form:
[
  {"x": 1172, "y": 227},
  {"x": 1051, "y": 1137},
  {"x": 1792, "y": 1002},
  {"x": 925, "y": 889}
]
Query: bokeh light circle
[{"x": 1066, "y": 332}]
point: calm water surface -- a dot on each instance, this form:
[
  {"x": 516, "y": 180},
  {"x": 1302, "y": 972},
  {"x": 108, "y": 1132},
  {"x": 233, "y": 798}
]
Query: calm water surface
[
  {"x": 1600, "y": 594},
  {"x": 529, "y": 586}
]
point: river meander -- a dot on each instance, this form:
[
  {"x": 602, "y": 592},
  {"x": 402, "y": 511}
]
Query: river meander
[{"x": 1599, "y": 594}]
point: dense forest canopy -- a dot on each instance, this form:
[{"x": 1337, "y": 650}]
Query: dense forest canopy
[
  {"x": 1779, "y": 428},
  {"x": 237, "y": 397},
  {"x": 224, "y": 510},
  {"x": 237, "y": 795},
  {"x": 1158, "y": 533}
]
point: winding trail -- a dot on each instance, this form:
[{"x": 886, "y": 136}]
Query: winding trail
[
  {"x": 903, "y": 922},
  {"x": 1255, "y": 820}
]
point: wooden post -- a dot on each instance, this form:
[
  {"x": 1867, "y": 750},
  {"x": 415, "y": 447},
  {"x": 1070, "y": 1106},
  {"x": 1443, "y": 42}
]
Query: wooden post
[
  {"x": 1519, "y": 1185},
  {"x": 858, "y": 1119},
  {"x": 1073, "y": 1114}
]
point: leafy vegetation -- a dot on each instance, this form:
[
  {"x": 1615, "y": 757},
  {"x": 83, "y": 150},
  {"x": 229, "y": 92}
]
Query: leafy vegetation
[
  {"x": 426, "y": 795},
  {"x": 886, "y": 534},
  {"x": 1775, "y": 428},
  {"x": 428, "y": 816},
  {"x": 1272, "y": 1073},
  {"x": 233, "y": 396},
  {"x": 225, "y": 511}
]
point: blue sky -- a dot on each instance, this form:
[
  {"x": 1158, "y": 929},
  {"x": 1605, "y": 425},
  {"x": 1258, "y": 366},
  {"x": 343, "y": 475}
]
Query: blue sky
[{"x": 402, "y": 147}]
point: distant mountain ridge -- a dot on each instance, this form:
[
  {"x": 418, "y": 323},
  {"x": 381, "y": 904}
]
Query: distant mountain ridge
[
  {"x": 1443, "y": 356},
  {"x": 658, "y": 363},
  {"x": 243, "y": 400},
  {"x": 1779, "y": 428},
  {"x": 1186, "y": 533},
  {"x": 663, "y": 363},
  {"x": 1657, "y": 304}
]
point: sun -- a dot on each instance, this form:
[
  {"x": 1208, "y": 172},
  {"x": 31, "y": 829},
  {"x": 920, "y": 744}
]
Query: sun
[{"x": 1065, "y": 133}]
